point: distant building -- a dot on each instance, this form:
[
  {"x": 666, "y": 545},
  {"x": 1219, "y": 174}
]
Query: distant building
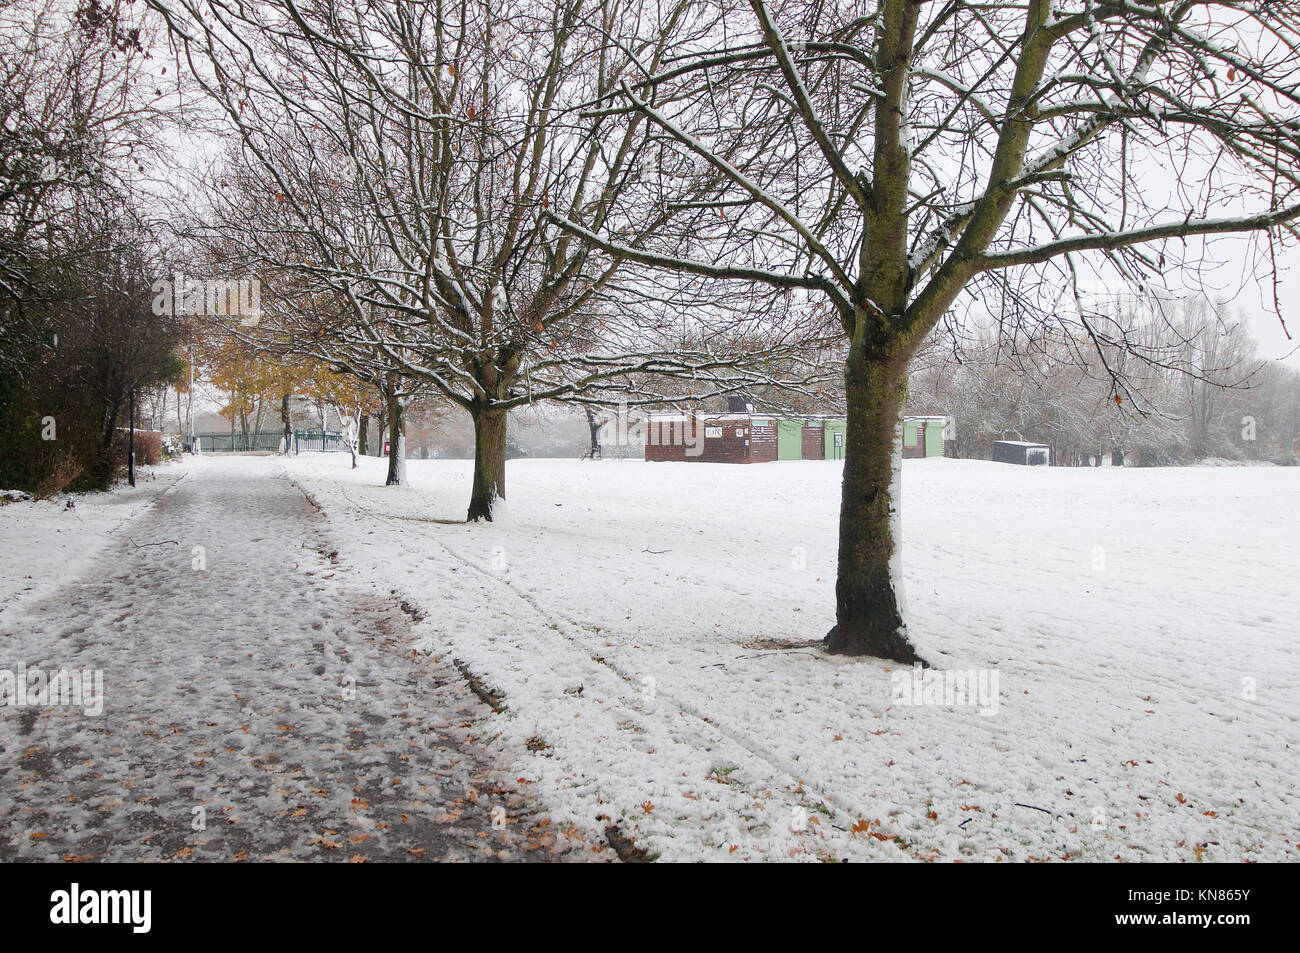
[
  {"x": 748, "y": 437},
  {"x": 810, "y": 438},
  {"x": 710, "y": 438},
  {"x": 924, "y": 436}
]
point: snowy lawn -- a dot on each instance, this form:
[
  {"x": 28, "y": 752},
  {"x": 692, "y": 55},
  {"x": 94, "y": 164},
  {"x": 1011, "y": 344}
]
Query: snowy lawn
[
  {"x": 43, "y": 543},
  {"x": 1142, "y": 625}
]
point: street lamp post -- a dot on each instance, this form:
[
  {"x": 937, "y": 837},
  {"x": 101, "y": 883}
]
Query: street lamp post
[{"x": 130, "y": 461}]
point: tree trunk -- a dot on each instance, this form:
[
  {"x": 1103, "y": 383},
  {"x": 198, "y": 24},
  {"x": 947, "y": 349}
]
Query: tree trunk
[
  {"x": 870, "y": 606},
  {"x": 363, "y": 434},
  {"x": 396, "y": 442},
  {"x": 286, "y": 424},
  {"x": 489, "y": 463},
  {"x": 594, "y": 426}
]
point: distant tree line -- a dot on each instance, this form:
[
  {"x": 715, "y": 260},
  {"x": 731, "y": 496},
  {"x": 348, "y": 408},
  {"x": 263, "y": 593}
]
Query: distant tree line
[{"x": 1051, "y": 388}]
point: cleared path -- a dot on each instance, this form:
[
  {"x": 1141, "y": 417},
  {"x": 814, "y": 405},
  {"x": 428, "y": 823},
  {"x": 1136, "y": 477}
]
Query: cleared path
[{"x": 260, "y": 702}]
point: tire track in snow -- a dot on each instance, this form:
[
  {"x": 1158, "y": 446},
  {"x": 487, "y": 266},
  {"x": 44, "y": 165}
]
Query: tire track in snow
[{"x": 835, "y": 804}]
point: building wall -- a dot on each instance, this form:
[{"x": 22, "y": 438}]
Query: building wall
[
  {"x": 934, "y": 439},
  {"x": 763, "y": 442},
  {"x": 922, "y": 438},
  {"x": 813, "y": 440},
  {"x": 670, "y": 445},
  {"x": 913, "y": 439},
  {"x": 743, "y": 440},
  {"x": 833, "y": 427},
  {"x": 728, "y": 442}
]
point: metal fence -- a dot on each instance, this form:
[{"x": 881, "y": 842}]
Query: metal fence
[
  {"x": 237, "y": 442},
  {"x": 327, "y": 441}
]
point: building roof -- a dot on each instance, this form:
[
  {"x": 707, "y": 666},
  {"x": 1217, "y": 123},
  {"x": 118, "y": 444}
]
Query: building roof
[{"x": 707, "y": 416}]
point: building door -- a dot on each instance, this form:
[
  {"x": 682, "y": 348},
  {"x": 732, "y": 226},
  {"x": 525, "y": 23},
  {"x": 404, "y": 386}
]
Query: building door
[{"x": 789, "y": 440}]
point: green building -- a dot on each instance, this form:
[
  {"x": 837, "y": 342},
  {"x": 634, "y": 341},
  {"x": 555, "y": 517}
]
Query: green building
[
  {"x": 824, "y": 438},
  {"x": 923, "y": 436}
]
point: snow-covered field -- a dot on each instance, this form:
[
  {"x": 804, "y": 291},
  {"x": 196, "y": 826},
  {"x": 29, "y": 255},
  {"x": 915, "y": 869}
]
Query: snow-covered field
[
  {"x": 1142, "y": 625},
  {"x": 43, "y": 543}
]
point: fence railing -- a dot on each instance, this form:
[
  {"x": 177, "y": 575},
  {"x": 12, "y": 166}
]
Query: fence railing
[
  {"x": 326, "y": 441},
  {"x": 238, "y": 442}
]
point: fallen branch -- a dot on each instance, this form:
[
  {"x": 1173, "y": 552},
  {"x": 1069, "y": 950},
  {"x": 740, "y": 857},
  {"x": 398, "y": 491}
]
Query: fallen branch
[{"x": 625, "y": 847}]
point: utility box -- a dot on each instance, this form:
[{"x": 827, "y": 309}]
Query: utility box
[{"x": 1021, "y": 452}]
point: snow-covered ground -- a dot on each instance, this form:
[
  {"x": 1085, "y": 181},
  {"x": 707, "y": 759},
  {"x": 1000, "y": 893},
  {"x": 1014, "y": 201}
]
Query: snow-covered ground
[
  {"x": 1142, "y": 625},
  {"x": 236, "y": 691},
  {"x": 44, "y": 543}
]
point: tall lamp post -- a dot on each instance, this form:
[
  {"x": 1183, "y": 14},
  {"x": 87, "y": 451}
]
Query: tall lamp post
[
  {"x": 130, "y": 460},
  {"x": 189, "y": 396}
]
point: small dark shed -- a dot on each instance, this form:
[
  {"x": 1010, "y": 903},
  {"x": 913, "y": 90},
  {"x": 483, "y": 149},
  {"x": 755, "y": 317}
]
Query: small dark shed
[{"x": 1021, "y": 452}]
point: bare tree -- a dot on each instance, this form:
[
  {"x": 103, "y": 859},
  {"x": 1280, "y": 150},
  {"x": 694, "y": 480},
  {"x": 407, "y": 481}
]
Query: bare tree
[
  {"x": 80, "y": 117},
  {"x": 908, "y": 160},
  {"x": 412, "y": 151}
]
